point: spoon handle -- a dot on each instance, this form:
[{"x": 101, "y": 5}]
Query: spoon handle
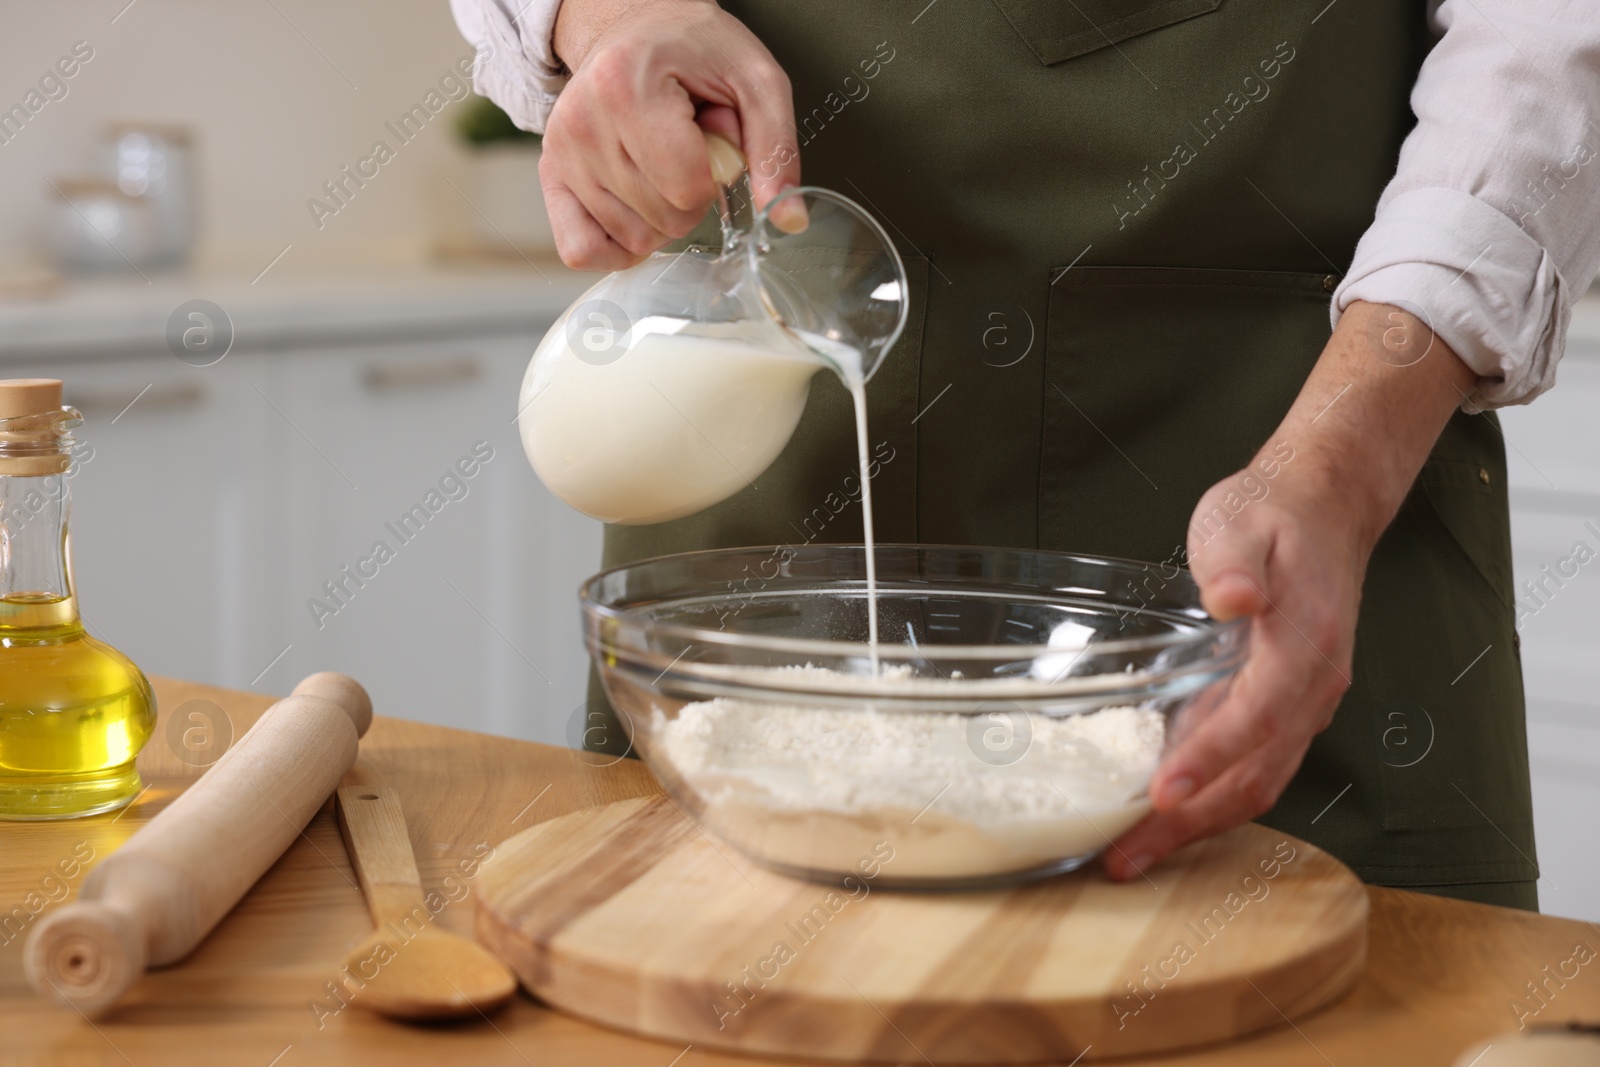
[{"x": 375, "y": 836}]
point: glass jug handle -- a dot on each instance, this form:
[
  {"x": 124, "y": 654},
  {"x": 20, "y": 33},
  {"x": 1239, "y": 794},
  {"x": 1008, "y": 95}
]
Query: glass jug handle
[
  {"x": 727, "y": 162},
  {"x": 727, "y": 167}
]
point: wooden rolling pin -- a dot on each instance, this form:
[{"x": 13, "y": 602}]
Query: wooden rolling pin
[{"x": 153, "y": 900}]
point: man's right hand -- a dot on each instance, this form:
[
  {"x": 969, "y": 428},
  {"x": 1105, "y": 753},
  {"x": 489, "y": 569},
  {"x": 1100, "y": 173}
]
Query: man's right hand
[{"x": 625, "y": 168}]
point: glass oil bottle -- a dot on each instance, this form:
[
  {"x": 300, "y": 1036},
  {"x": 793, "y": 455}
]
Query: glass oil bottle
[{"x": 74, "y": 712}]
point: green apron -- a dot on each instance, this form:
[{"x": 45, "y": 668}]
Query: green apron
[{"x": 1205, "y": 168}]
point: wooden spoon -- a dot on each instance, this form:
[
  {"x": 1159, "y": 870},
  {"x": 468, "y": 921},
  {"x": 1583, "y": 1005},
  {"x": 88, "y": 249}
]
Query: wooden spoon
[{"x": 409, "y": 967}]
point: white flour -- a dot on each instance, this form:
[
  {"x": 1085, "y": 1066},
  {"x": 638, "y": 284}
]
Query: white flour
[{"x": 817, "y": 787}]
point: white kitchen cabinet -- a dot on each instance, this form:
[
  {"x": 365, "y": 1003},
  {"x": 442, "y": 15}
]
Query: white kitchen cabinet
[
  {"x": 1553, "y": 454},
  {"x": 453, "y": 596},
  {"x": 1553, "y": 448},
  {"x": 169, "y": 508}
]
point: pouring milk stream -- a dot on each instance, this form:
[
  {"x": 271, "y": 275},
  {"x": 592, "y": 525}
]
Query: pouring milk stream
[{"x": 670, "y": 386}]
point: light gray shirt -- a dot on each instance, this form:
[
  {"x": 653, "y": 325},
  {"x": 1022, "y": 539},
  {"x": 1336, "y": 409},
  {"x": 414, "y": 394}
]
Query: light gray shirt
[{"x": 1489, "y": 229}]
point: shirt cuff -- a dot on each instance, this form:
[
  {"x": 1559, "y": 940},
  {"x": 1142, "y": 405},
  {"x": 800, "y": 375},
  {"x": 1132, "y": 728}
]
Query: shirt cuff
[
  {"x": 516, "y": 64},
  {"x": 1488, "y": 289}
]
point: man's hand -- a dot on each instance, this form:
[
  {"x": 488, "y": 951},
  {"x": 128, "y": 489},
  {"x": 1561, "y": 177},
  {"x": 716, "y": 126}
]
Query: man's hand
[
  {"x": 624, "y": 167},
  {"x": 1286, "y": 542},
  {"x": 1286, "y": 562}
]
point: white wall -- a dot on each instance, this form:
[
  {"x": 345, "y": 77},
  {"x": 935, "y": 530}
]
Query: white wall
[{"x": 264, "y": 85}]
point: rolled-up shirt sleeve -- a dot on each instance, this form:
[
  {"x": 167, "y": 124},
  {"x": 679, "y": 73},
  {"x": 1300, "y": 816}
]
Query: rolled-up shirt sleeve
[
  {"x": 1491, "y": 226},
  {"x": 516, "y": 65}
]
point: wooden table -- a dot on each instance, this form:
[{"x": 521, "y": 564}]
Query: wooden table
[{"x": 1442, "y": 973}]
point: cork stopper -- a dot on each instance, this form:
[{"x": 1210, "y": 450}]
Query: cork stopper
[
  {"x": 29, "y": 396},
  {"x": 38, "y": 446}
]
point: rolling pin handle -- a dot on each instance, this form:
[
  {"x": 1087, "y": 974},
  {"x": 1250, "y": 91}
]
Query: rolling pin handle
[
  {"x": 86, "y": 955},
  {"x": 343, "y": 690}
]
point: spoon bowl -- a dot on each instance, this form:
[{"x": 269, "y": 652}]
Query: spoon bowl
[
  {"x": 432, "y": 975},
  {"x": 408, "y": 968}
]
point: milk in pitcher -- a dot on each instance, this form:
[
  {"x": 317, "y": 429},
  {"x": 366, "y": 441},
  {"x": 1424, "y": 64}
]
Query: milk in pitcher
[{"x": 665, "y": 426}]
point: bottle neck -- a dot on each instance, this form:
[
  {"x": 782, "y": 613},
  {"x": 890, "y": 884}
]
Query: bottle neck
[{"x": 35, "y": 508}]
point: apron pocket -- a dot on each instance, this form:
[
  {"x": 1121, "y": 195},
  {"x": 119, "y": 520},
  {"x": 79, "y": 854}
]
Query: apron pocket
[
  {"x": 1438, "y": 680},
  {"x": 1057, "y": 30},
  {"x": 1159, "y": 382}
]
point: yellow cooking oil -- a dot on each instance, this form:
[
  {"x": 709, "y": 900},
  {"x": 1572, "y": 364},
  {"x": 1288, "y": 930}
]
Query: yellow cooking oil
[{"x": 74, "y": 713}]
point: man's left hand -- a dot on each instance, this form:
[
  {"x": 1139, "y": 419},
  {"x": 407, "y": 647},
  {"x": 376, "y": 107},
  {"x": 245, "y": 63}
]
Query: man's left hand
[{"x": 1285, "y": 542}]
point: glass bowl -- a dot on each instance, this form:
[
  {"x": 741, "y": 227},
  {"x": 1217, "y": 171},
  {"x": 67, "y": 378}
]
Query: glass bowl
[{"x": 1005, "y": 728}]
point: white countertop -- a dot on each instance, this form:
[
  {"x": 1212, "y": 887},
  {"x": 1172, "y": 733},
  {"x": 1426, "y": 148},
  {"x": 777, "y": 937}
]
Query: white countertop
[{"x": 116, "y": 316}]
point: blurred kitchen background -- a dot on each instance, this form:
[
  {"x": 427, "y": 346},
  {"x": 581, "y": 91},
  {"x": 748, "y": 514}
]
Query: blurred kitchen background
[
  {"x": 292, "y": 337},
  {"x": 377, "y": 337}
]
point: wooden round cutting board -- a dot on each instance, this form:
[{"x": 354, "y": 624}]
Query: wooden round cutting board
[{"x": 629, "y": 916}]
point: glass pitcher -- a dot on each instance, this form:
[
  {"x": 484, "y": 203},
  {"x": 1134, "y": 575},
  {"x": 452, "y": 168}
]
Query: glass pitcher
[{"x": 672, "y": 385}]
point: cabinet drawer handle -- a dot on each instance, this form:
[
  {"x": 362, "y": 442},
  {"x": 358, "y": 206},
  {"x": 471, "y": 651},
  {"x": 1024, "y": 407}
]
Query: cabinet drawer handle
[
  {"x": 382, "y": 378},
  {"x": 162, "y": 395}
]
